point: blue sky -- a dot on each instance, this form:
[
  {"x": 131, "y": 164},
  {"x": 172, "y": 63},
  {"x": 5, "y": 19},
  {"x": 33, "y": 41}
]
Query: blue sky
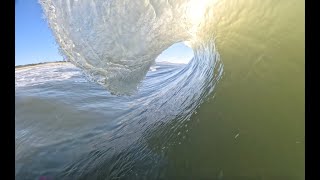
[
  {"x": 34, "y": 41},
  {"x": 177, "y": 53}
]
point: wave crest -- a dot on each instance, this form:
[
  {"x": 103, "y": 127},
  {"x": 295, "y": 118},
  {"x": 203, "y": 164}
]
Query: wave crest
[{"x": 115, "y": 42}]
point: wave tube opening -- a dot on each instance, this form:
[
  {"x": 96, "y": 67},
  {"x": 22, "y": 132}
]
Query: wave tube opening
[{"x": 178, "y": 53}]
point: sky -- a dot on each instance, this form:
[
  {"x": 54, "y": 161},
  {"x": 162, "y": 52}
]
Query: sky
[
  {"x": 35, "y": 43},
  {"x": 177, "y": 53}
]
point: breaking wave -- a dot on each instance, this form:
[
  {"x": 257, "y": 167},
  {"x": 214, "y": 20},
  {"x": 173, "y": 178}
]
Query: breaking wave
[{"x": 115, "y": 42}]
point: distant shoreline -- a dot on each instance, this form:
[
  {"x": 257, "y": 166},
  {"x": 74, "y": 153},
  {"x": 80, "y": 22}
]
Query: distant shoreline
[
  {"x": 55, "y": 62},
  {"x": 41, "y": 63}
]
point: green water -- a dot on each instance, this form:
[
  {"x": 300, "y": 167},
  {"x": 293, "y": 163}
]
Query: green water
[{"x": 255, "y": 126}]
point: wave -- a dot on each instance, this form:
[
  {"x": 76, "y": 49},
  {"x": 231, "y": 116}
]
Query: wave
[
  {"x": 115, "y": 42},
  {"x": 69, "y": 128},
  {"x": 80, "y": 136},
  {"x": 159, "y": 113}
]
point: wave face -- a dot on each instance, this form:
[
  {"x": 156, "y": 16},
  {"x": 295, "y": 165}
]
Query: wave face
[
  {"x": 115, "y": 42},
  {"x": 72, "y": 129}
]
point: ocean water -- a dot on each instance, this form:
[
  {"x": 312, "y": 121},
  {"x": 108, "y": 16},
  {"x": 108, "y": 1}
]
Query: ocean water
[{"x": 235, "y": 111}]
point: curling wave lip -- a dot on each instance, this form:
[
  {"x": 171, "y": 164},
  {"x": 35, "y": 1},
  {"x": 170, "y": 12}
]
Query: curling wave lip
[{"x": 116, "y": 42}]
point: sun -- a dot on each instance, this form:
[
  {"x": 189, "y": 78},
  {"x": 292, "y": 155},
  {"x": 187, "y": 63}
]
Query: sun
[{"x": 197, "y": 9}]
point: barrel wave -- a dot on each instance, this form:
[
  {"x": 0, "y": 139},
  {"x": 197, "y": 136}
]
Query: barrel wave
[
  {"x": 114, "y": 111},
  {"x": 115, "y": 42}
]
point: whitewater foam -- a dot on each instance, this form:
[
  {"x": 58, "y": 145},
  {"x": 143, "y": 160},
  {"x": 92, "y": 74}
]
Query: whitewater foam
[{"x": 44, "y": 73}]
